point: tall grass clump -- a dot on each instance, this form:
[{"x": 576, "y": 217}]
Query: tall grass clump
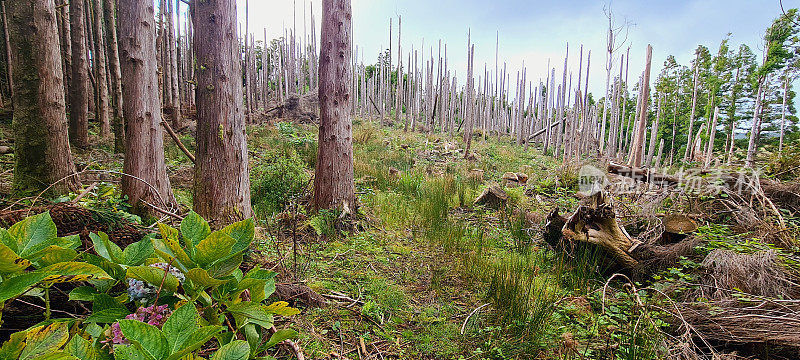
[{"x": 524, "y": 294}]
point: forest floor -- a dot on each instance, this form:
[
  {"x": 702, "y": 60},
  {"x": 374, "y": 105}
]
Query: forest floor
[{"x": 423, "y": 273}]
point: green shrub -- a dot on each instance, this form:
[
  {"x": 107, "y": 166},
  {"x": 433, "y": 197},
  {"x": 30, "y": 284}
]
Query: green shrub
[{"x": 275, "y": 181}]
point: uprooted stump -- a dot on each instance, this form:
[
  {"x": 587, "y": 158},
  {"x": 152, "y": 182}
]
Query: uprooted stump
[{"x": 595, "y": 224}]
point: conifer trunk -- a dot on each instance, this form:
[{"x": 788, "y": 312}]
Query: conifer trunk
[
  {"x": 41, "y": 146},
  {"x": 102, "y": 112},
  {"x": 144, "y": 144},
  {"x": 79, "y": 90},
  {"x": 221, "y": 181},
  {"x": 116, "y": 75},
  {"x": 333, "y": 181}
]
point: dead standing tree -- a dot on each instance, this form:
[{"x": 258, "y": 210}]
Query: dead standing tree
[{"x": 333, "y": 181}]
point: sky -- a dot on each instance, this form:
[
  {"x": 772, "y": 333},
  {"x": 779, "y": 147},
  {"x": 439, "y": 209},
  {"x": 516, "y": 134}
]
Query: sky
[{"x": 533, "y": 32}]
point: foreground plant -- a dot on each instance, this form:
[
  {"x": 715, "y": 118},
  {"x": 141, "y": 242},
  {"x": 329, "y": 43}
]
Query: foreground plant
[{"x": 190, "y": 297}]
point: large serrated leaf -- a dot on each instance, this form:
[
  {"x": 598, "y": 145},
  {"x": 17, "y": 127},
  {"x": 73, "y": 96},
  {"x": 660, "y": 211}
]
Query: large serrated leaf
[
  {"x": 154, "y": 276},
  {"x": 131, "y": 352},
  {"x": 236, "y": 350},
  {"x": 106, "y": 248},
  {"x": 180, "y": 325},
  {"x": 108, "y": 316},
  {"x": 226, "y": 267},
  {"x": 214, "y": 248},
  {"x": 194, "y": 229},
  {"x": 279, "y": 336},
  {"x": 249, "y": 312},
  {"x": 10, "y": 262},
  {"x": 135, "y": 254},
  {"x": 80, "y": 348},
  {"x": 33, "y": 234},
  {"x": 53, "y": 255},
  {"x": 150, "y": 338},
  {"x": 73, "y": 271},
  {"x": 58, "y": 355},
  {"x": 195, "y": 341},
  {"x": 243, "y": 232},
  {"x": 18, "y": 285},
  {"x": 200, "y": 277},
  {"x": 44, "y": 339}
]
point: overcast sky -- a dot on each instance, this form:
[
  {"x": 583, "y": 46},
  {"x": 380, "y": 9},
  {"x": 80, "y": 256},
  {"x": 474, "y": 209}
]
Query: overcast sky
[{"x": 534, "y": 31}]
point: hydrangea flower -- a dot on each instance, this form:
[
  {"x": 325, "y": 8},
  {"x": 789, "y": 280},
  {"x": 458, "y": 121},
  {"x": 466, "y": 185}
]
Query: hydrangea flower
[{"x": 153, "y": 315}]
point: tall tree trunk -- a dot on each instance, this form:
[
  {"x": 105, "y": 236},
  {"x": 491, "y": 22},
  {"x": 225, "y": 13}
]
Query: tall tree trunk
[
  {"x": 9, "y": 59},
  {"x": 102, "y": 112},
  {"x": 79, "y": 92},
  {"x": 172, "y": 48},
  {"x": 144, "y": 160},
  {"x": 783, "y": 113},
  {"x": 41, "y": 146},
  {"x": 333, "y": 181},
  {"x": 638, "y": 144},
  {"x": 221, "y": 182},
  {"x": 755, "y": 129},
  {"x": 116, "y": 75},
  {"x": 687, "y": 156}
]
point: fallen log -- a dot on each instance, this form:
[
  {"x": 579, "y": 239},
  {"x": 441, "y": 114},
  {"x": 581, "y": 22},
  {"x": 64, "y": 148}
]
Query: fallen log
[{"x": 642, "y": 174}]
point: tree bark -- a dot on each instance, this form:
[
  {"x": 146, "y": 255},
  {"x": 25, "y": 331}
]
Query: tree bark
[
  {"x": 41, "y": 146},
  {"x": 221, "y": 183},
  {"x": 144, "y": 142},
  {"x": 333, "y": 181},
  {"x": 6, "y": 32},
  {"x": 79, "y": 92},
  {"x": 755, "y": 128},
  {"x": 102, "y": 112},
  {"x": 172, "y": 48},
  {"x": 116, "y": 75},
  {"x": 638, "y": 144}
]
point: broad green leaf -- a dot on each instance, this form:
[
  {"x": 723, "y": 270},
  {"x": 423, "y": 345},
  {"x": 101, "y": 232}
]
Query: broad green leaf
[
  {"x": 194, "y": 229},
  {"x": 180, "y": 325},
  {"x": 80, "y": 348},
  {"x": 148, "y": 336},
  {"x": 13, "y": 346},
  {"x": 105, "y": 301},
  {"x": 213, "y": 248},
  {"x": 33, "y": 234},
  {"x": 201, "y": 278},
  {"x": 83, "y": 293},
  {"x": 16, "y": 286},
  {"x": 8, "y": 240},
  {"x": 113, "y": 269},
  {"x": 169, "y": 249},
  {"x": 195, "y": 341},
  {"x": 252, "y": 336},
  {"x": 279, "y": 336},
  {"x": 282, "y": 308},
  {"x": 269, "y": 283},
  {"x": 108, "y": 316},
  {"x": 243, "y": 232},
  {"x": 226, "y": 267},
  {"x": 167, "y": 232},
  {"x": 10, "y": 262},
  {"x": 106, "y": 248},
  {"x": 131, "y": 352},
  {"x": 249, "y": 312},
  {"x": 53, "y": 255},
  {"x": 73, "y": 271},
  {"x": 154, "y": 276},
  {"x": 58, "y": 355},
  {"x": 136, "y": 253},
  {"x": 256, "y": 288},
  {"x": 236, "y": 350},
  {"x": 44, "y": 339}
]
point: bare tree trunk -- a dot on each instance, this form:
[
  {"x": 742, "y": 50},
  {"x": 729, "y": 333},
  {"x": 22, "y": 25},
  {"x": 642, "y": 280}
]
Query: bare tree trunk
[
  {"x": 638, "y": 144},
  {"x": 783, "y": 113},
  {"x": 175, "y": 97},
  {"x": 333, "y": 181},
  {"x": 79, "y": 92},
  {"x": 116, "y": 75},
  {"x": 9, "y": 59},
  {"x": 102, "y": 112},
  {"x": 144, "y": 143},
  {"x": 221, "y": 183},
  {"x": 41, "y": 146},
  {"x": 689, "y": 146},
  {"x": 755, "y": 129},
  {"x": 713, "y": 133}
]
